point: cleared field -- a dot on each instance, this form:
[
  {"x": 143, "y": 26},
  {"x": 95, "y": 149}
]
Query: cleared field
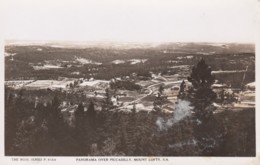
[
  {"x": 145, "y": 83},
  {"x": 47, "y": 67},
  {"x": 44, "y": 84},
  {"x": 96, "y": 83},
  {"x": 17, "y": 84},
  {"x": 138, "y": 107}
]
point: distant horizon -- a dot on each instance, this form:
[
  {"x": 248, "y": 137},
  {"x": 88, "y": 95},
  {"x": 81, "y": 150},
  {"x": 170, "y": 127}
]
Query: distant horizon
[{"x": 177, "y": 46}]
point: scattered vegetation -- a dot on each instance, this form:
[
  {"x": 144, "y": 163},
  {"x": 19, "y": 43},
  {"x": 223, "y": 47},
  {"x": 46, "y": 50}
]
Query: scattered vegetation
[{"x": 39, "y": 130}]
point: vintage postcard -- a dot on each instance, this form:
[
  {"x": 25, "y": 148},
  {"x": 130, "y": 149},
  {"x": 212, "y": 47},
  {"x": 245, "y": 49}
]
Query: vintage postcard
[{"x": 142, "y": 82}]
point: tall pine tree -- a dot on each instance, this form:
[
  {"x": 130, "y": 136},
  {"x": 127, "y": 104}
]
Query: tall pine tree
[{"x": 202, "y": 96}]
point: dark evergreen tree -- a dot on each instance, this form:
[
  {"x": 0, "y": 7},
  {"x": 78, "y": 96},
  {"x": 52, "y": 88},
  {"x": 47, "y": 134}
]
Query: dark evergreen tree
[
  {"x": 79, "y": 117},
  {"x": 108, "y": 103},
  {"x": 159, "y": 99},
  {"x": 80, "y": 128},
  {"x": 56, "y": 125},
  {"x": 55, "y": 111},
  {"x": 91, "y": 113},
  {"x": 182, "y": 87},
  {"x": 201, "y": 96}
]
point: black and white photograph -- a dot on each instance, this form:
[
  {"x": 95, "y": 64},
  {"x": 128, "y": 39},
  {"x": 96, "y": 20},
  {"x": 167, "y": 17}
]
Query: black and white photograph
[
  {"x": 173, "y": 99},
  {"x": 129, "y": 79}
]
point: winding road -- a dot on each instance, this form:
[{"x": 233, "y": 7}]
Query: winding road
[{"x": 150, "y": 91}]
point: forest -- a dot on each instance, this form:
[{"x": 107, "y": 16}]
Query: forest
[{"x": 39, "y": 130}]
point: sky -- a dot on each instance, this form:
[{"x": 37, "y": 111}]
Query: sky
[{"x": 130, "y": 20}]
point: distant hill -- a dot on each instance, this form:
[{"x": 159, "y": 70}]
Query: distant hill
[
  {"x": 178, "y": 47},
  {"x": 49, "y": 60}
]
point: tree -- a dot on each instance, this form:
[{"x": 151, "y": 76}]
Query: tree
[
  {"x": 201, "y": 96},
  {"x": 71, "y": 85},
  {"x": 182, "y": 87},
  {"x": 80, "y": 128},
  {"x": 108, "y": 149},
  {"x": 80, "y": 110},
  {"x": 55, "y": 119},
  {"x": 55, "y": 112},
  {"x": 31, "y": 139},
  {"x": 159, "y": 99},
  {"x": 91, "y": 114},
  {"x": 79, "y": 117},
  {"x": 108, "y": 103}
]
